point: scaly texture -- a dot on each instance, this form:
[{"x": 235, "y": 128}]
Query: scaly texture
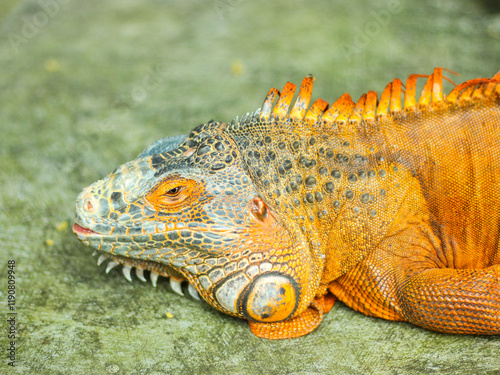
[{"x": 389, "y": 205}]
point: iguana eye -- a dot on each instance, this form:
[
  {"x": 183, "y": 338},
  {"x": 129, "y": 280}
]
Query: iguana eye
[{"x": 174, "y": 191}]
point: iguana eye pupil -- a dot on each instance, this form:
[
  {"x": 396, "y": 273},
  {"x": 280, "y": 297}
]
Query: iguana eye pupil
[{"x": 173, "y": 192}]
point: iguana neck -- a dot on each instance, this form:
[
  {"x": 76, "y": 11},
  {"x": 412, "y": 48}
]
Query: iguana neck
[{"x": 328, "y": 183}]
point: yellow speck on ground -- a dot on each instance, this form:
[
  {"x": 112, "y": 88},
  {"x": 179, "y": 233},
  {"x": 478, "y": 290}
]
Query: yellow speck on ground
[
  {"x": 52, "y": 65},
  {"x": 237, "y": 67},
  {"x": 62, "y": 226},
  {"x": 169, "y": 315},
  {"x": 49, "y": 242}
]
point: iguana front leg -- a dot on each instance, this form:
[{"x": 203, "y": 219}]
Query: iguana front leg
[
  {"x": 408, "y": 278},
  {"x": 460, "y": 301},
  {"x": 298, "y": 326}
]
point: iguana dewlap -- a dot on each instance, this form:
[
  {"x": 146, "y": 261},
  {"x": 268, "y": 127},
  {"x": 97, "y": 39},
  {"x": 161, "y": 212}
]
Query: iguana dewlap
[{"x": 392, "y": 207}]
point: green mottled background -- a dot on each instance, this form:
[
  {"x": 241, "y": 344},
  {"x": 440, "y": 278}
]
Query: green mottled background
[{"x": 86, "y": 85}]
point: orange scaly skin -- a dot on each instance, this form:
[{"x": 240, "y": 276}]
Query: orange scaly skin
[{"x": 388, "y": 205}]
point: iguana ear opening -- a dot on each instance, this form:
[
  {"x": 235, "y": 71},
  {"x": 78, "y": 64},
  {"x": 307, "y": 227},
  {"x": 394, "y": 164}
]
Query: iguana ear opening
[{"x": 258, "y": 209}]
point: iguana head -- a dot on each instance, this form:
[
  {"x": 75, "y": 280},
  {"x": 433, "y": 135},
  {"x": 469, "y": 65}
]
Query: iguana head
[{"x": 194, "y": 212}]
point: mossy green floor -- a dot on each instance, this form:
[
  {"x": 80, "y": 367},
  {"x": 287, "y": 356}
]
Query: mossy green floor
[{"x": 86, "y": 85}]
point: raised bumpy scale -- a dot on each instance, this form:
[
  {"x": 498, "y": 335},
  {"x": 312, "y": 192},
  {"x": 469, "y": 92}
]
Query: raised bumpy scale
[{"x": 390, "y": 206}]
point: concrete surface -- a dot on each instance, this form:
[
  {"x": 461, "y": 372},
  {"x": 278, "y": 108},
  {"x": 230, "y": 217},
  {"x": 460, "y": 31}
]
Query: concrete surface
[{"x": 86, "y": 85}]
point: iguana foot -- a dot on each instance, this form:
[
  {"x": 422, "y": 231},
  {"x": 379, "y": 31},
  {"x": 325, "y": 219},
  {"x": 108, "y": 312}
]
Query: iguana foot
[{"x": 298, "y": 326}]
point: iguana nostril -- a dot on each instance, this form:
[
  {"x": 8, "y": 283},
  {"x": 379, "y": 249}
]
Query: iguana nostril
[{"x": 90, "y": 205}]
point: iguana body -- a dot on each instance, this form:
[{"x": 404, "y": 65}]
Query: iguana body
[{"x": 391, "y": 207}]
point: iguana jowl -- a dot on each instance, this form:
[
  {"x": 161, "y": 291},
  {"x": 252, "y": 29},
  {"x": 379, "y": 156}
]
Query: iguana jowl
[{"x": 392, "y": 207}]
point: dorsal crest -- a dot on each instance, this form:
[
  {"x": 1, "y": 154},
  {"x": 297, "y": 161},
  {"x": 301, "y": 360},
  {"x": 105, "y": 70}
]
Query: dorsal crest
[{"x": 369, "y": 106}]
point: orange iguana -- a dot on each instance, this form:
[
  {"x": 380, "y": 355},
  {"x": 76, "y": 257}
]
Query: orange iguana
[{"x": 391, "y": 207}]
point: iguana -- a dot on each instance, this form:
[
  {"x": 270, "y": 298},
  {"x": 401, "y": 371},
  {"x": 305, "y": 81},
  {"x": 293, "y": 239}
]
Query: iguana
[{"x": 390, "y": 206}]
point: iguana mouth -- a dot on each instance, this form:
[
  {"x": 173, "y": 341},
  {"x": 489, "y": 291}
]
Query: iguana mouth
[
  {"x": 78, "y": 229},
  {"x": 156, "y": 269}
]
